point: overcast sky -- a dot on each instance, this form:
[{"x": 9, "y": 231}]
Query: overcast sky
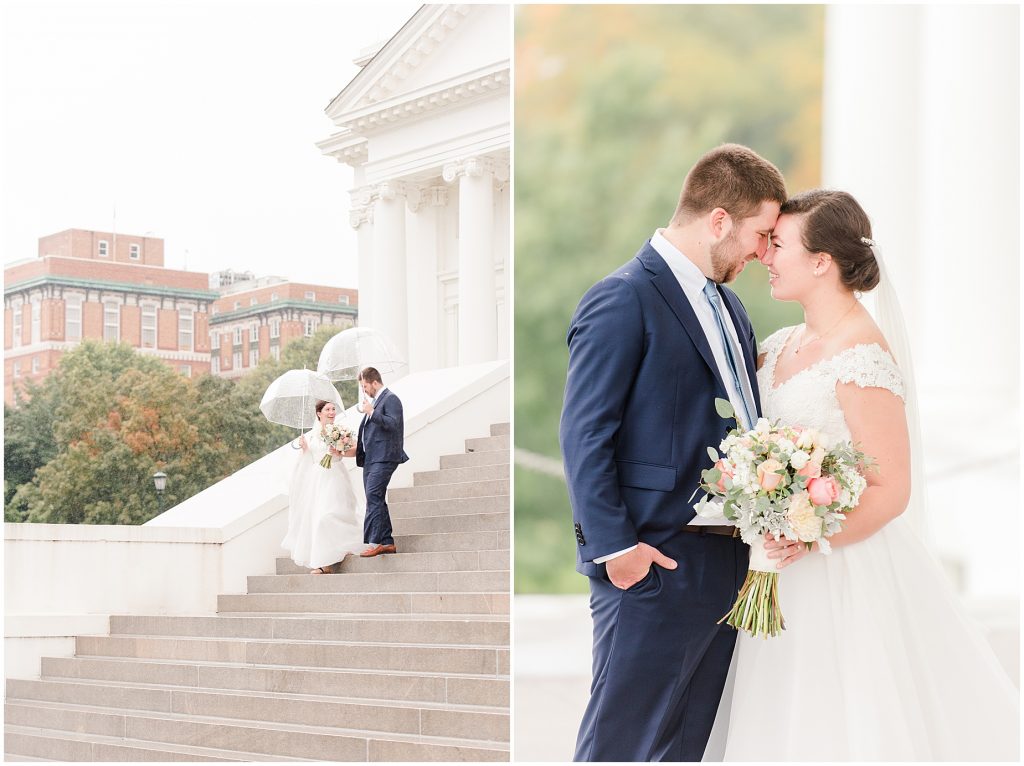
[{"x": 195, "y": 120}]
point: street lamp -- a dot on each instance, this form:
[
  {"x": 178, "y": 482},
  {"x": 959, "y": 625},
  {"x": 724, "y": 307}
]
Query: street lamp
[{"x": 160, "y": 482}]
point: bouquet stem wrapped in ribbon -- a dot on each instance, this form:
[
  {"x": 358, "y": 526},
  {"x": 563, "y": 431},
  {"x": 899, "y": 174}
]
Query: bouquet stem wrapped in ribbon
[{"x": 786, "y": 481}]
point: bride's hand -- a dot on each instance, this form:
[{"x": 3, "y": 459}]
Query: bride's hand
[
  {"x": 302, "y": 443},
  {"x": 351, "y": 452},
  {"x": 787, "y": 550}
]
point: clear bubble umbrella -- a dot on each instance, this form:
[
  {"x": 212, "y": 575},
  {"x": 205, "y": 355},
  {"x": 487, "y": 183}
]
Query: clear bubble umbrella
[
  {"x": 348, "y": 352},
  {"x": 291, "y": 399}
]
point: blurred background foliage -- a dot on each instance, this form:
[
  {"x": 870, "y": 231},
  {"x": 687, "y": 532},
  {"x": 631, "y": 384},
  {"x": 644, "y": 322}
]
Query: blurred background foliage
[{"x": 613, "y": 105}]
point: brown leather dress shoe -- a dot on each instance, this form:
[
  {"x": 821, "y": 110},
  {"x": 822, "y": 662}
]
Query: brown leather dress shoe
[{"x": 377, "y": 550}]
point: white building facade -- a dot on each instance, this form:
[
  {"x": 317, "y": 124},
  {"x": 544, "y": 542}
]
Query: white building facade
[{"x": 426, "y": 128}]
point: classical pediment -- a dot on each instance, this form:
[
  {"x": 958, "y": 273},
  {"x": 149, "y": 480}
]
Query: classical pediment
[{"x": 444, "y": 55}]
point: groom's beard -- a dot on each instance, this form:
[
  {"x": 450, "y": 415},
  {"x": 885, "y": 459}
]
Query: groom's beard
[{"x": 725, "y": 264}]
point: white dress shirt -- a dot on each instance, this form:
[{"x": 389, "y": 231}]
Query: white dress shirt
[{"x": 692, "y": 280}]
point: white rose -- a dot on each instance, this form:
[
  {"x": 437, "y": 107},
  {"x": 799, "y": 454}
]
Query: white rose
[
  {"x": 807, "y": 439},
  {"x": 799, "y": 459},
  {"x": 763, "y": 427}
]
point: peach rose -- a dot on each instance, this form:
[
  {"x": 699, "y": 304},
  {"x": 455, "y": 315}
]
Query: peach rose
[
  {"x": 766, "y": 475},
  {"x": 824, "y": 490},
  {"x": 726, "y": 469}
]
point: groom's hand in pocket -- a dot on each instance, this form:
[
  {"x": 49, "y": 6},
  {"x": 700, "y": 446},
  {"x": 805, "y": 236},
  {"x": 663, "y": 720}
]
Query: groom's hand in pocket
[{"x": 630, "y": 568}]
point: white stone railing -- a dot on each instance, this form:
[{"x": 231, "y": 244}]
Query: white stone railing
[{"x": 63, "y": 580}]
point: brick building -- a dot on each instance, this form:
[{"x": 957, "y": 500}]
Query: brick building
[
  {"x": 255, "y": 319},
  {"x": 102, "y": 286},
  {"x": 93, "y": 285}
]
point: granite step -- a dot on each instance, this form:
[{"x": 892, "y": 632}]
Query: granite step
[
  {"x": 499, "y": 429},
  {"x": 477, "y": 488},
  {"x": 408, "y": 630},
  {"x": 461, "y": 475},
  {"x": 363, "y": 603},
  {"x": 456, "y": 506},
  {"x": 389, "y": 716},
  {"x": 437, "y": 561},
  {"x": 497, "y": 457},
  {"x": 457, "y": 689},
  {"x": 436, "y": 658},
  {"x": 466, "y": 522},
  {"x": 488, "y": 444},
  {"x": 387, "y": 582},
  {"x": 290, "y": 740}
]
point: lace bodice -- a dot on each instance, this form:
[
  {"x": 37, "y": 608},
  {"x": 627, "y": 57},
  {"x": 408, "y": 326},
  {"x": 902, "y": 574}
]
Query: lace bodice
[{"x": 808, "y": 398}]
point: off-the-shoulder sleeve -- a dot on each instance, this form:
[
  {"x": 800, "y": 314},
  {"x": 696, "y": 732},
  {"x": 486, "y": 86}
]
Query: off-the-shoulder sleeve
[
  {"x": 774, "y": 342},
  {"x": 870, "y": 366}
]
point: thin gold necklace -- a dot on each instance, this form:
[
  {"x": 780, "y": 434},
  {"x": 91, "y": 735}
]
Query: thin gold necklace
[{"x": 802, "y": 346}]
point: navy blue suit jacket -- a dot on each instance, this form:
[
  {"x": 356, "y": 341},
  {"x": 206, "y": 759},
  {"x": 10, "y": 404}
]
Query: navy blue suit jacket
[
  {"x": 639, "y": 412},
  {"x": 381, "y": 438}
]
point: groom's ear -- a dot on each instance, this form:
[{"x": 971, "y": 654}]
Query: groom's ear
[{"x": 719, "y": 222}]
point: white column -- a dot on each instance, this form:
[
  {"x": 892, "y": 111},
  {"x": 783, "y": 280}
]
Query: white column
[
  {"x": 361, "y": 219},
  {"x": 390, "y": 312},
  {"x": 425, "y": 205},
  {"x": 478, "y": 329}
]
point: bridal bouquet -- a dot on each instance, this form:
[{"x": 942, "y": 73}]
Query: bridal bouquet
[
  {"x": 338, "y": 437},
  {"x": 784, "y": 480}
]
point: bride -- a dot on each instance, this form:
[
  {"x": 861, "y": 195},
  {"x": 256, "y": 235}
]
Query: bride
[
  {"x": 324, "y": 524},
  {"x": 878, "y": 661}
]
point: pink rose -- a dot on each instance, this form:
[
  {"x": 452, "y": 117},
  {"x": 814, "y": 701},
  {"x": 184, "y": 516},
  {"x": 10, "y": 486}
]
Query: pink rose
[
  {"x": 812, "y": 469},
  {"x": 766, "y": 475},
  {"x": 726, "y": 469},
  {"x": 823, "y": 491}
]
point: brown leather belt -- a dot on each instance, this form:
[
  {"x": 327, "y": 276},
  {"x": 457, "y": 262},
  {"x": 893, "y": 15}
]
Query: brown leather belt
[{"x": 726, "y": 531}]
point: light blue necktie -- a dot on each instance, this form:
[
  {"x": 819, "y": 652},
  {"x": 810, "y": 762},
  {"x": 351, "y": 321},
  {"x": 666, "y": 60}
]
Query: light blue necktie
[{"x": 732, "y": 354}]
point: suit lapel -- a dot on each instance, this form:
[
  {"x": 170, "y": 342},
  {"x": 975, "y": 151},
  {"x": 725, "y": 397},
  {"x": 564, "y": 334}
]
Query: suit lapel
[{"x": 665, "y": 282}]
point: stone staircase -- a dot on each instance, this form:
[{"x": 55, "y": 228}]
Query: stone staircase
[{"x": 401, "y": 657}]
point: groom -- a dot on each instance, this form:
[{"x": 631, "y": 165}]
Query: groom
[
  {"x": 379, "y": 451},
  {"x": 650, "y": 348}
]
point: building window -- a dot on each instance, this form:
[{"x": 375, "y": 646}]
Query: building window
[
  {"x": 214, "y": 311},
  {"x": 35, "y": 364},
  {"x": 104, "y": 248},
  {"x": 253, "y": 301},
  {"x": 275, "y": 351},
  {"x": 17, "y": 325},
  {"x": 215, "y": 341},
  {"x": 238, "y": 304},
  {"x": 215, "y": 364},
  {"x": 185, "y": 324},
  {"x": 133, "y": 252},
  {"x": 186, "y": 370},
  {"x": 17, "y": 369},
  {"x": 149, "y": 326},
  {"x": 310, "y": 295},
  {"x": 236, "y": 360},
  {"x": 238, "y": 336},
  {"x": 275, "y": 328},
  {"x": 254, "y": 333},
  {"x": 73, "y": 318},
  {"x": 310, "y": 327},
  {"x": 343, "y": 300},
  {"x": 254, "y": 356},
  {"x": 274, "y": 297},
  {"x": 111, "y": 322},
  {"x": 36, "y": 309}
]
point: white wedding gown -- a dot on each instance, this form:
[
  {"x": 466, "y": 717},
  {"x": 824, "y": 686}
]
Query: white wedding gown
[
  {"x": 878, "y": 660},
  {"x": 324, "y": 524}
]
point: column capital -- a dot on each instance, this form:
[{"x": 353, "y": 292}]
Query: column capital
[
  {"x": 426, "y": 195},
  {"x": 391, "y": 190},
  {"x": 363, "y": 196},
  {"x": 357, "y": 216},
  {"x": 472, "y": 167}
]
